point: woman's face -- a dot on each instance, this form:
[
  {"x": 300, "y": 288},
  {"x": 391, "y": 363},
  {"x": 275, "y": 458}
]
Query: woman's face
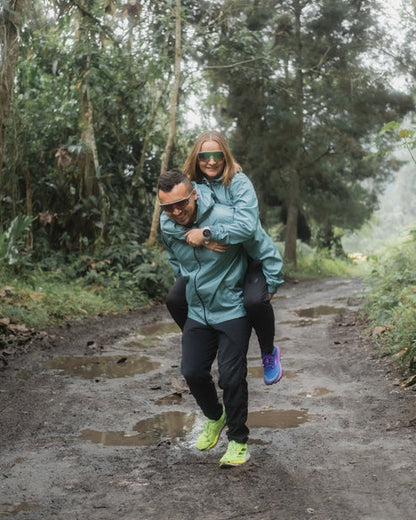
[{"x": 211, "y": 165}]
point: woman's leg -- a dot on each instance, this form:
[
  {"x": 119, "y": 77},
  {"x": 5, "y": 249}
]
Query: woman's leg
[
  {"x": 176, "y": 302},
  {"x": 259, "y": 309}
]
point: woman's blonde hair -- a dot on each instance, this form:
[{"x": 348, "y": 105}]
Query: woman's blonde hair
[{"x": 191, "y": 165}]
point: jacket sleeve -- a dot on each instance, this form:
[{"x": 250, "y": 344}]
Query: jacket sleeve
[
  {"x": 243, "y": 199},
  {"x": 262, "y": 248},
  {"x": 174, "y": 263}
]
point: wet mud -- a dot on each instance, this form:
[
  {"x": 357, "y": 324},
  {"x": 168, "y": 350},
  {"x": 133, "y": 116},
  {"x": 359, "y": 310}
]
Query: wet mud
[{"x": 97, "y": 422}]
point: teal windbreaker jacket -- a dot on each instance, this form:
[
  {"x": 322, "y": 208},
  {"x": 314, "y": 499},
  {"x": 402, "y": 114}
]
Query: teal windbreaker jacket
[
  {"x": 214, "y": 289},
  {"x": 258, "y": 246},
  {"x": 246, "y": 226}
]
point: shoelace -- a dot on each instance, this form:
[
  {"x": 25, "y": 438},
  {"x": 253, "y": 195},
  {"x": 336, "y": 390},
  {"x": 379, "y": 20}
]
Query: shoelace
[
  {"x": 209, "y": 426},
  {"x": 235, "y": 449},
  {"x": 269, "y": 361}
]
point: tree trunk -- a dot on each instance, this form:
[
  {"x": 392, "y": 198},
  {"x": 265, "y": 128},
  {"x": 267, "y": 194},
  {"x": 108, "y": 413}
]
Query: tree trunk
[
  {"x": 172, "y": 116},
  {"x": 29, "y": 208},
  {"x": 292, "y": 218},
  {"x": 149, "y": 130},
  {"x": 10, "y": 23},
  {"x": 91, "y": 184},
  {"x": 295, "y": 170}
]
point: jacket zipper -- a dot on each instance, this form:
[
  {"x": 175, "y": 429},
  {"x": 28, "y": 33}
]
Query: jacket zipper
[{"x": 196, "y": 288}]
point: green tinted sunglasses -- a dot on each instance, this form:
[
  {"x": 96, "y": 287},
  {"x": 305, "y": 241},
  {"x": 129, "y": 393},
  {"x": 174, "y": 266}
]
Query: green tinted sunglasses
[{"x": 216, "y": 155}]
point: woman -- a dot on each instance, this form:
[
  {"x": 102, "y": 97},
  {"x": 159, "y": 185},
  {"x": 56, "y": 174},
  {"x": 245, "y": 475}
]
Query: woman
[{"x": 212, "y": 163}]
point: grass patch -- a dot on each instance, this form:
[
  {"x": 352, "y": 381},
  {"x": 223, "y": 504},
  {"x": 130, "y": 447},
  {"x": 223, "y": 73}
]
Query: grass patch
[
  {"x": 44, "y": 300},
  {"x": 313, "y": 264}
]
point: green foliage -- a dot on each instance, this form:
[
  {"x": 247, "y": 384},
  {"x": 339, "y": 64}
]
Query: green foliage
[
  {"x": 130, "y": 271},
  {"x": 302, "y": 97},
  {"x": 391, "y": 301},
  {"x": 126, "y": 75},
  {"x": 393, "y": 133},
  {"x": 11, "y": 244},
  {"x": 75, "y": 287}
]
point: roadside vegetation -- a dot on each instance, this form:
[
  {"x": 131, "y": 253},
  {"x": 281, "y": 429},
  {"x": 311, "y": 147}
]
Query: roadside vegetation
[
  {"x": 391, "y": 302},
  {"x": 39, "y": 293}
]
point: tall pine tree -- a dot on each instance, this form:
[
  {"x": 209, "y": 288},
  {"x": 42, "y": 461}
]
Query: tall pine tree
[{"x": 302, "y": 102}]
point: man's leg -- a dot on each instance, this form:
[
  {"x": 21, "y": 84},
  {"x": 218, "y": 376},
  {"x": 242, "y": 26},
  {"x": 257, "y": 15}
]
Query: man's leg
[
  {"x": 199, "y": 349},
  {"x": 176, "y": 302},
  {"x": 232, "y": 364}
]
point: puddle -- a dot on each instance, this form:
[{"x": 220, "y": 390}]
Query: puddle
[
  {"x": 321, "y": 310},
  {"x": 169, "y": 400},
  {"x": 259, "y": 372},
  {"x": 150, "y": 335},
  {"x": 279, "y": 418},
  {"x": 317, "y": 392},
  {"x": 159, "y": 329},
  {"x": 169, "y": 425},
  {"x": 90, "y": 367},
  {"x": 297, "y": 323},
  {"x": 12, "y": 509}
]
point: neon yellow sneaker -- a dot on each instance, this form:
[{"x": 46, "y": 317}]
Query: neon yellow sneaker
[
  {"x": 235, "y": 455},
  {"x": 210, "y": 433}
]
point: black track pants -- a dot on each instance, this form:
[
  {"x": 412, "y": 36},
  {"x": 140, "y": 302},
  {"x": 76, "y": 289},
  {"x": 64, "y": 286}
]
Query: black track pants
[{"x": 200, "y": 345}]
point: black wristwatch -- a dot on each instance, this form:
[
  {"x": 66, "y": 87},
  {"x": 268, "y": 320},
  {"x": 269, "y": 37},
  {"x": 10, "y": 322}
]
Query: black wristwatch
[{"x": 206, "y": 232}]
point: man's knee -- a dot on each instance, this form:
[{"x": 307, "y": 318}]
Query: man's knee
[{"x": 193, "y": 374}]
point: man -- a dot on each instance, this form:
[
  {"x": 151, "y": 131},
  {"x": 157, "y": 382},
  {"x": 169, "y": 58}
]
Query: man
[{"x": 216, "y": 322}]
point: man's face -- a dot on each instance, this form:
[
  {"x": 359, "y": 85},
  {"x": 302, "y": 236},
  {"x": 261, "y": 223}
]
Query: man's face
[{"x": 179, "y": 204}]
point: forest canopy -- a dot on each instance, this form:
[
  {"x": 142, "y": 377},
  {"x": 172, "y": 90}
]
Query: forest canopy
[{"x": 300, "y": 88}]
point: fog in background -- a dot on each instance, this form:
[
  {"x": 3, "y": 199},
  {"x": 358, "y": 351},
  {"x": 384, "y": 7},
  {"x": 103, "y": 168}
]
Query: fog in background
[{"x": 396, "y": 213}]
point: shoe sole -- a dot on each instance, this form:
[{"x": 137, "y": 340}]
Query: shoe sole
[
  {"x": 279, "y": 377},
  {"x": 234, "y": 464}
]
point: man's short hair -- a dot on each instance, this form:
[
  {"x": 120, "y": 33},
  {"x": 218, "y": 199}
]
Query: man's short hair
[{"x": 168, "y": 180}]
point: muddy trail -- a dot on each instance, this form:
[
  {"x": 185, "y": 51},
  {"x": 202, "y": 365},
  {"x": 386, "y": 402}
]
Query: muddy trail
[{"x": 96, "y": 423}]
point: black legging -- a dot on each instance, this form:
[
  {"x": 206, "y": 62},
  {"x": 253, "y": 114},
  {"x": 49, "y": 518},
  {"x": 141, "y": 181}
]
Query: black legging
[{"x": 256, "y": 301}]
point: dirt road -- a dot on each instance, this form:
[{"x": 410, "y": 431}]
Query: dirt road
[{"x": 97, "y": 424}]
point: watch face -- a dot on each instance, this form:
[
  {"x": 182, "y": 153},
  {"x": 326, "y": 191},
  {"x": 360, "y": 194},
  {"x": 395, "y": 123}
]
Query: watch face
[{"x": 206, "y": 233}]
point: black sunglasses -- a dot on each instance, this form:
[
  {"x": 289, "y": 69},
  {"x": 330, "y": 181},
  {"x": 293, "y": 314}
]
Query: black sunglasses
[
  {"x": 179, "y": 204},
  {"x": 217, "y": 155}
]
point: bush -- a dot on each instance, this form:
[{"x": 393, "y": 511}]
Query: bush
[{"x": 391, "y": 302}]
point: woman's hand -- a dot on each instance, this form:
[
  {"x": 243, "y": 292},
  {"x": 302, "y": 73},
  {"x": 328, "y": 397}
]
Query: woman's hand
[
  {"x": 195, "y": 238},
  {"x": 216, "y": 246}
]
